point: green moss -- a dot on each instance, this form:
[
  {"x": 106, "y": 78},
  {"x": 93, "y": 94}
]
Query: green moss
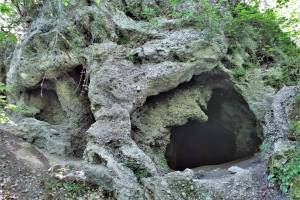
[{"x": 138, "y": 170}]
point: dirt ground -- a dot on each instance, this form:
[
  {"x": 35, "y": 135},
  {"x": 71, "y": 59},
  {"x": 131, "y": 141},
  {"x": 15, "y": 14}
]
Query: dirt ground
[{"x": 22, "y": 169}]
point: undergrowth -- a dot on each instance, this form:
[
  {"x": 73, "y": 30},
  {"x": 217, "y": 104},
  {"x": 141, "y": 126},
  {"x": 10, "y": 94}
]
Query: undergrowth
[
  {"x": 258, "y": 36},
  {"x": 287, "y": 172},
  {"x": 4, "y": 105},
  {"x": 55, "y": 186},
  {"x": 295, "y": 117},
  {"x": 138, "y": 170}
]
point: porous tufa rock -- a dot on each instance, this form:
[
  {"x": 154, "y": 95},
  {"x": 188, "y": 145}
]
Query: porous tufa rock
[{"x": 128, "y": 60}]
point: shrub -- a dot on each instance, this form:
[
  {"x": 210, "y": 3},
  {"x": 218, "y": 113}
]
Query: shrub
[
  {"x": 148, "y": 13},
  {"x": 263, "y": 147},
  {"x": 74, "y": 187},
  {"x": 239, "y": 72},
  {"x": 295, "y": 128},
  {"x": 297, "y": 99},
  {"x": 273, "y": 48},
  {"x": 285, "y": 172},
  {"x": 4, "y": 105},
  {"x": 294, "y": 117}
]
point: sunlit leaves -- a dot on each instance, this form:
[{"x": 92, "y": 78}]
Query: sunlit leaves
[
  {"x": 6, "y": 9},
  {"x": 4, "y": 105},
  {"x": 282, "y": 2},
  {"x": 98, "y": 2},
  {"x": 285, "y": 174},
  {"x": 8, "y": 36},
  {"x": 65, "y": 2}
]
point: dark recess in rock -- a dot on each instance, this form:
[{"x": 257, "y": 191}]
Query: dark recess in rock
[
  {"x": 218, "y": 140},
  {"x": 46, "y": 100}
]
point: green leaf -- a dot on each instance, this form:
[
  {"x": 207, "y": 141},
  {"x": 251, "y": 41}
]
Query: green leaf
[
  {"x": 8, "y": 36},
  {"x": 65, "y": 2},
  {"x": 5, "y": 9},
  {"x": 11, "y": 107}
]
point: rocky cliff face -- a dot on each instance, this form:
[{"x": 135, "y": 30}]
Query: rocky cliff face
[{"x": 107, "y": 86}]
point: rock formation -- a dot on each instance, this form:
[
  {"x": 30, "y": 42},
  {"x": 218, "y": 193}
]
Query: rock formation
[{"x": 116, "y": 95}]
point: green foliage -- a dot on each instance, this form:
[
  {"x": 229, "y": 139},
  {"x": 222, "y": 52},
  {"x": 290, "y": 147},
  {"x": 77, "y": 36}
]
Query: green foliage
[
  {"x": 148, "y": 13},
  {"x": 98, "y": 2},
  {"x": 8, "y": 36},
  {"x": 54, "y": 185},
  {"x": 274, "y": 76},
  {"x": 139, "y": 171},
  {"x": 294, "y": 117},
  {"x": 282, "y": 2},
  {"x": 239, "y": 72},
  {"x": 174, "y": 2},
  {"x": 164, "y": 165},
  {"x": 286, "y": 173},
  {"x": 295, "y": 128},
  {"x": 208, "y": 16},
  {"x": 297, "y": 99},
  {"x": 4, "y": 105},
  {"x": 24, "y": 8},
  {"x": 131, "y": 56},
  {"x": 65, "y": 2},
  {"x": 263, "y": 147},
  {"x": 74, "y": 187},
  {"x": 260, "y": 35},
  {"x": 6, "y": 9}
]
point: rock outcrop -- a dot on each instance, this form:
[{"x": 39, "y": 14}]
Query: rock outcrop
[{"x": 105, "y": 83}]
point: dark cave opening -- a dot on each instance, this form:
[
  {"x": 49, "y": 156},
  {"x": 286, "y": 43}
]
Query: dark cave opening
[
  {"x": 229, "y": 134},
  {"x": 79, "y": 75},
  {"x": 64, "y": 102},
  {"x": 47, "y": 103}
]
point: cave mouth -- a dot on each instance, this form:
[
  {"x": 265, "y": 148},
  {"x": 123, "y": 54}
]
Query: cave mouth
[
  {"x": 229, "y": 134},
  {"x": 46, "y": 101}
]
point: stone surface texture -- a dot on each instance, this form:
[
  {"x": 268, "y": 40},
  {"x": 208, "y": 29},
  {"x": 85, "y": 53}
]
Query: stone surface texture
[{"x": 96, "y": 65}]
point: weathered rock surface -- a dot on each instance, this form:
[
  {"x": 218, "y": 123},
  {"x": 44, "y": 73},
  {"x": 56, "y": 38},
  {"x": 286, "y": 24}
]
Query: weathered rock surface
[{"x": 87, "y": 73}]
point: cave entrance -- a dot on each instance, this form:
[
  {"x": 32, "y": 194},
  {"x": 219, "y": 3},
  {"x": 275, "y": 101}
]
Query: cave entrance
[
  {"x": 230, "y": 133},
  {"x": 45, "y": 103}
]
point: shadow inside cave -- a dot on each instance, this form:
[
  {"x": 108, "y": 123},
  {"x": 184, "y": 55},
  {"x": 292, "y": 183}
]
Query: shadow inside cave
[{"x": 219, "y": 140}]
